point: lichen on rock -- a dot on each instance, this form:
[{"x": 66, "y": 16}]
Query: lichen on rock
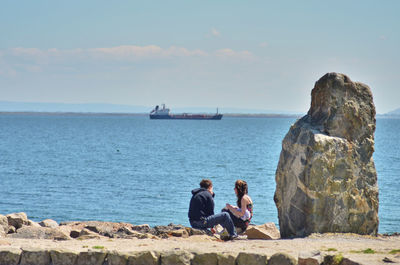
[{"x": 326, "y": 179}]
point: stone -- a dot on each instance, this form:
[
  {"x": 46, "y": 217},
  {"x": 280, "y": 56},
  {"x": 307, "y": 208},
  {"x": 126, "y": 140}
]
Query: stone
[
  {"x": 116, "y": 258},
  {"x": 91, "y": 257},
  {"x": 63, "y": 257},
  {"x": 144, "y": 258},
  {"x": 205, "y": 259},
  {"x": 245, "y": 258},
  {"x": 31, "y": 232},
  {"x": 180, "y": 233},
  {"x": 49, "y": 223},
  {"x": 17, "y": 219},
  {"x": 10, "y": 256},
  {"x": 310, "y": 258},
  {"x": 326, "y": 179},
  {"x": 107, "y": 229},
  {"x": 176, "y": 258},
  {"x": 87, "y": 234},
  {"x": 165, "y": 231},
  {"x": 264, "y": 231},
  {"x": 226, "y": 259},
  {"x": 33, "y": 256},
  {"x": 144, "y": 228},
  {"x": 282, "y": 259},
  {"x": 33, "y": 223},
  {"x": 347, "y": 261},
  {"x": 3, "y": 225},
  {"x": 198, "y": 232},
  {"x": 338, "y": 260},
  {"x": 125, "y": 232},
  {"x": 11, "y": 230},
  {"x": 74, "y": 233}
]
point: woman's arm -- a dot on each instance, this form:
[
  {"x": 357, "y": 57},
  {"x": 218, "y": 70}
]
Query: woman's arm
[{"x": 236, "y": 211}]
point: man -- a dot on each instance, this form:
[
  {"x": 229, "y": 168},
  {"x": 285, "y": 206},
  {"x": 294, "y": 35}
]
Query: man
[{"x": 201, "y": 210}]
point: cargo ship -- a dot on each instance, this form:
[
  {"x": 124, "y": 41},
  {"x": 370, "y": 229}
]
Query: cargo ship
[{"x": 163, "y": 113}]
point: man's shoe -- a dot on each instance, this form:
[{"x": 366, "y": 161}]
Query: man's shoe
[
  {"x": 239, "y": 237},
  {"x": 235, "y": 237}
]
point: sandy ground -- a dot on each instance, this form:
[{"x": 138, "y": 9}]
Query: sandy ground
[{"x": 350, "y": 246}]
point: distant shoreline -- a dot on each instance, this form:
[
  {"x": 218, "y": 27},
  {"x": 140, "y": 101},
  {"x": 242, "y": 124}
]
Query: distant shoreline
[
  {"x": 139, "y": 114},
  {"x": 239, "y": 115}
]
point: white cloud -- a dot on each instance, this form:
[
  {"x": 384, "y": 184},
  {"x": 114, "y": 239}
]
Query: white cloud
[
  {"x": 34, "y": 52},
  {"x": 215, "y": 32},
  {"x": 263, "y": 44},
  {"x": 151, "y": 51},
  {"x": 229, "y": 53},
  {"x": 128, "y": 51},
  {"x": 35, "y": 60}
]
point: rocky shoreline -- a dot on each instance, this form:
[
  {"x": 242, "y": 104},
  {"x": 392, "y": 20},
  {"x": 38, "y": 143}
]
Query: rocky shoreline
[{"x": 24, "y": 242}]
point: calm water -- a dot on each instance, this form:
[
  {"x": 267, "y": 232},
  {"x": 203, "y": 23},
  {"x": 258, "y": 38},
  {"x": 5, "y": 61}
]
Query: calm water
[{"x": 132, "y": 169}]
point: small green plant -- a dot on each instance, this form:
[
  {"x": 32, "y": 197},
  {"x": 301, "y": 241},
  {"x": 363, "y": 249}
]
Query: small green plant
[
  {"x": 368, "y": 251},
  {"x": 337, "y": 259},
  {"x": 394, "y": 251},
  {"x": 98, "y": 247},
  {"x": 85, "y": 246},
  {"x": 331, "y": 249}
]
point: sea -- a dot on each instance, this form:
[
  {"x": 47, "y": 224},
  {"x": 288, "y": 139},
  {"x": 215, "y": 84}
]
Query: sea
[{"x": 128, "y": 168}]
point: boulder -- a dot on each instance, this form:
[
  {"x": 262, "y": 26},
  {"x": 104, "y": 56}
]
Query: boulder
[
  {"x": 91, "y": 257},
  {"x": 49, "y": 223},
  {"x": 347, "y": 261},
  {"x": 282, "y": 259},
  {"x": 145, "y": 228},
  {"x": 338, "y": 260},
  {"x": 33, "y": 256},
  {"x": 165, "y": 231},
  {"x": 116, "y": 258},
  {"x": 205, "y": 259},
  {"x": 144, "y": 258},
  {"x": 108, "y": 229},
  {"x": 87, "y": 234},
  {"x": 180, "y": 233},
  {"x": 31, "y": 232},
  {"x": 63, "y": 257},
  {"x": 198, "y": 232},
  {"x": 126, "y": 232},
  {"x": 10, "y": 256},
  {"x": 33, "y": 223},
  {"x": 17, "y": 219},
  {"x": 226, "y": 259},
  {"x": 264, "y": 231},
  {"x": 176, "y": 258},
  {"x": 245, "y": 258},
  {"x": 326, "y": 179},
  {"x": 310, "y": 258},
  {"x": 3, "y": 225},
  {"x": 11, "y": 230}
]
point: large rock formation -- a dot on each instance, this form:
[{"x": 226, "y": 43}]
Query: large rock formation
[{"x": 326, "y": 179}]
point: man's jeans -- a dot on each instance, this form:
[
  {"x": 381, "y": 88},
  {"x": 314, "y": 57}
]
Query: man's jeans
[{"x": 220, "y": 218}]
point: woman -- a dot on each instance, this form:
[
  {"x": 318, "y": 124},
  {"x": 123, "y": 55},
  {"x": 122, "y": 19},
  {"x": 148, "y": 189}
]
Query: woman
[{"x": 243, "y": 212}]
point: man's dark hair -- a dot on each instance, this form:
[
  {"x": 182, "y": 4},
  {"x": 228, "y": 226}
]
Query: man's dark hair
[{"x": 205, "y": 183}]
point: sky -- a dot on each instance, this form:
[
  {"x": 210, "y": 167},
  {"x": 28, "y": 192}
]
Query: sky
[{"x": 263, "y": 55}]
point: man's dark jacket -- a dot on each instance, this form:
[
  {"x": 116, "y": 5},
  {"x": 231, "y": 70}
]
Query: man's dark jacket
[{"x": 201, "y": 204}]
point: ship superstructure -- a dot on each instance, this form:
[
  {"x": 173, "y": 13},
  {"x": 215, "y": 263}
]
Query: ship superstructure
[{"x": 164, "y": 113}]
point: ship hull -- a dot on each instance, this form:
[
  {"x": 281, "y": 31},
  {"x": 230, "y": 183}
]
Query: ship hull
[{"x": 186, "y": 117}]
